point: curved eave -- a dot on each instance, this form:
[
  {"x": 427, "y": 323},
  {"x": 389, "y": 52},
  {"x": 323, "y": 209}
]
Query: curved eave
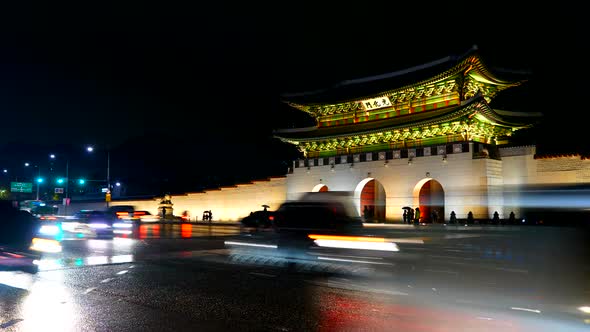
[
  {"x": 475, "y": 65},
  {"x": 515, "y": 120},
  {"x": 471, "y": 65},
  {"x": 475, "y": 107}
]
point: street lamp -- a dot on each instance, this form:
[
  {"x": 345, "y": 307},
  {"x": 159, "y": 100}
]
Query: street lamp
[
  {"x": 39, "y": 181},
  {"x": 91, "y": 149},
  {"x": 65, "y": 181}
]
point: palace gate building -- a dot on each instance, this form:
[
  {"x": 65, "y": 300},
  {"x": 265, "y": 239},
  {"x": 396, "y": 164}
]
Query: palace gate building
[{"x": 422, "y": 137}]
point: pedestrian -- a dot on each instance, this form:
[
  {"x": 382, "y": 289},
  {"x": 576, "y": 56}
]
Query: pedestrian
[
  {"x": 470, "y": 217},
  {"x": 453, "y": 217},
  {"x": 496, "y": 219},
  {"x": 366, "y": 213},
  {"x": 511, "y": 218},
  {"x": 417, "y": 216},
  {"x": 405, "y": 217},
  {"x": 210, "y": 216},
  {"x": 434, "y": 216},
  {"x": 410, "y": 216}
]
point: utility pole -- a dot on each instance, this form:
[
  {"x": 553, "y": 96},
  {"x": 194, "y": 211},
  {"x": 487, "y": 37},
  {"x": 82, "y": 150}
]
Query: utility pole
[
  {"x": 67, "y": 182},
  {"x": 108, "y": 176},
  {"x": 38, "y": 183}
]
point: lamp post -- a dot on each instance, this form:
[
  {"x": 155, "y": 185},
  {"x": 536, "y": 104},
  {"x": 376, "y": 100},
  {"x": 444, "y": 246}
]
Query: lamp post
[
  {"x": 62, "y": 180},
  {"x": 91, "y": 149},
  {"x": 67, "y": 182},
  {"x": 39, "y": 180}
]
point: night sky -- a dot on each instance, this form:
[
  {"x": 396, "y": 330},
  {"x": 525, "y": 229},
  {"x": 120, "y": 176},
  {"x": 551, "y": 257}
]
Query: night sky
[{"x": 186, "y": 96}]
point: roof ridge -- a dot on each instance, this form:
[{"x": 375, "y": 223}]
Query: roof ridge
[{"x": 397, "y": 73}]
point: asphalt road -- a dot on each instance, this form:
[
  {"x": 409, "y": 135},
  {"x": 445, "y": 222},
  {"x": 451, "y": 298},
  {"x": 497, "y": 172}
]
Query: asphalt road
[{"x": 441, "y": 279}]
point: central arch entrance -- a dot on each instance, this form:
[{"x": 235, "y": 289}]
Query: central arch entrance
[
  {"x": 370, "y": 196},
  {"x": 431, "y": 200}
]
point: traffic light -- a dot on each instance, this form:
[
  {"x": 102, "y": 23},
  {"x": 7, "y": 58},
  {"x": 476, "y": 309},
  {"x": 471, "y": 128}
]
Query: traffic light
[
  {"x": 81, "y": 181},
  {"x": 39, "y": 180},
  {"x": 60, "y": 181}
]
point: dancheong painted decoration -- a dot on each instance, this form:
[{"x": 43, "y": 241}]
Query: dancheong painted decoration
[{"x": 441, "y": 102}]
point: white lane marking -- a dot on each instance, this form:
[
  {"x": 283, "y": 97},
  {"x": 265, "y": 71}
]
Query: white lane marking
[
  {"x": 348, "y": 256},
  {"x": 351, "y": 261},
  {"x": 407, "y": 240},
  {"x": 122, "y": 272},
  {"x": 349, "y": 286},
  {"x": 107, "y": 280},
  {"x": 88, "y": 290},
  {"x": 460, "y": 236},
  {"x": 246, "y": 244},
  {"x": 484, "y": 318},
  {"x": 526, "y": 309},
  {"x": 511, "y": 270},
  {"x": 441, "y": 271},
  {"x": 263, "y": 274}
]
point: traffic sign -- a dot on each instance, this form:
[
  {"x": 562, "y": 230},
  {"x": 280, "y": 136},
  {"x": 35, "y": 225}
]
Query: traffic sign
[
  {"x": 21, "y": 187},
  {"x": 108, "y": 197},
  {"x": 59, "y": 190}
]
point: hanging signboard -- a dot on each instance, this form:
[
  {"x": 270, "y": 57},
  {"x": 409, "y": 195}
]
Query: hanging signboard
[{"x": 376, "y": 103}]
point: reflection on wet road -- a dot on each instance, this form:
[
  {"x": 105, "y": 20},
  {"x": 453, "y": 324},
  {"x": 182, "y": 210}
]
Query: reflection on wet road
[
  {"x": 445, "y": 280},
  {"x": 177, "y": 231}
]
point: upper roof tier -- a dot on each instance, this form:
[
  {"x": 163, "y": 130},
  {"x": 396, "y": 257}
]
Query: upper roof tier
[{"x": 466, "y": 75}]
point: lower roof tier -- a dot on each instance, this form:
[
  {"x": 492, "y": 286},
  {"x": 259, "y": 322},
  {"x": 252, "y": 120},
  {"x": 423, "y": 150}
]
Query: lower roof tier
[{"x": 473, "y": 120}]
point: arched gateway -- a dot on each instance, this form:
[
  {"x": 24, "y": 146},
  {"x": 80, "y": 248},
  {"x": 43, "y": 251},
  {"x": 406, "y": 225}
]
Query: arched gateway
[
  {"x": 320, "y": 188},
  {"x": 431, "y": 199},
  {"x": 369, "y": 199},
  {"x": 396, "y": 131}
]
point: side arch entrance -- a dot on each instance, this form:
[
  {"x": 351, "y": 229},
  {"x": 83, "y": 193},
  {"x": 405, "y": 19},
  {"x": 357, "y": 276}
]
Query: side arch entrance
[
  {"x": 370, "y": 197},
  {"x": 320, "y": 188}
]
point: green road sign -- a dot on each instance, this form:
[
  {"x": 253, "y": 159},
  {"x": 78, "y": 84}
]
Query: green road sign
[{"x": 21, "y": 187}]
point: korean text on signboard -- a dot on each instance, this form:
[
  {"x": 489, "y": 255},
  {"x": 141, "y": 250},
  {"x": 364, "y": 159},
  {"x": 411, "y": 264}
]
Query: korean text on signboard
[{"x": 376, "y": 103}]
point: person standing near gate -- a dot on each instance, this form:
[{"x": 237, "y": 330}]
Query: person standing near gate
[{"x": 417, "y": 216}]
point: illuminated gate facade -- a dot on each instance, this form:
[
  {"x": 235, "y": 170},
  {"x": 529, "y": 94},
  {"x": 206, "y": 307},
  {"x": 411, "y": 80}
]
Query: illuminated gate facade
[{"x": 395, "y": 143}]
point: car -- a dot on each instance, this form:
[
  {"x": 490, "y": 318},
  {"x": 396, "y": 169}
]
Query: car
[
  {"x": 311, "y": 230},
  {"x": 142, "y": 216},
  {"x": 99, "y": 222},
  {"x": 258, "y": 219},
  {"x": 20, "y": 243}
]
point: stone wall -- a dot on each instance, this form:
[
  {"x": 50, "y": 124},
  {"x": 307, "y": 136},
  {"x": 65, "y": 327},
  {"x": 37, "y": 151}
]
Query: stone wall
[{"x": 226, "y": 204}]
